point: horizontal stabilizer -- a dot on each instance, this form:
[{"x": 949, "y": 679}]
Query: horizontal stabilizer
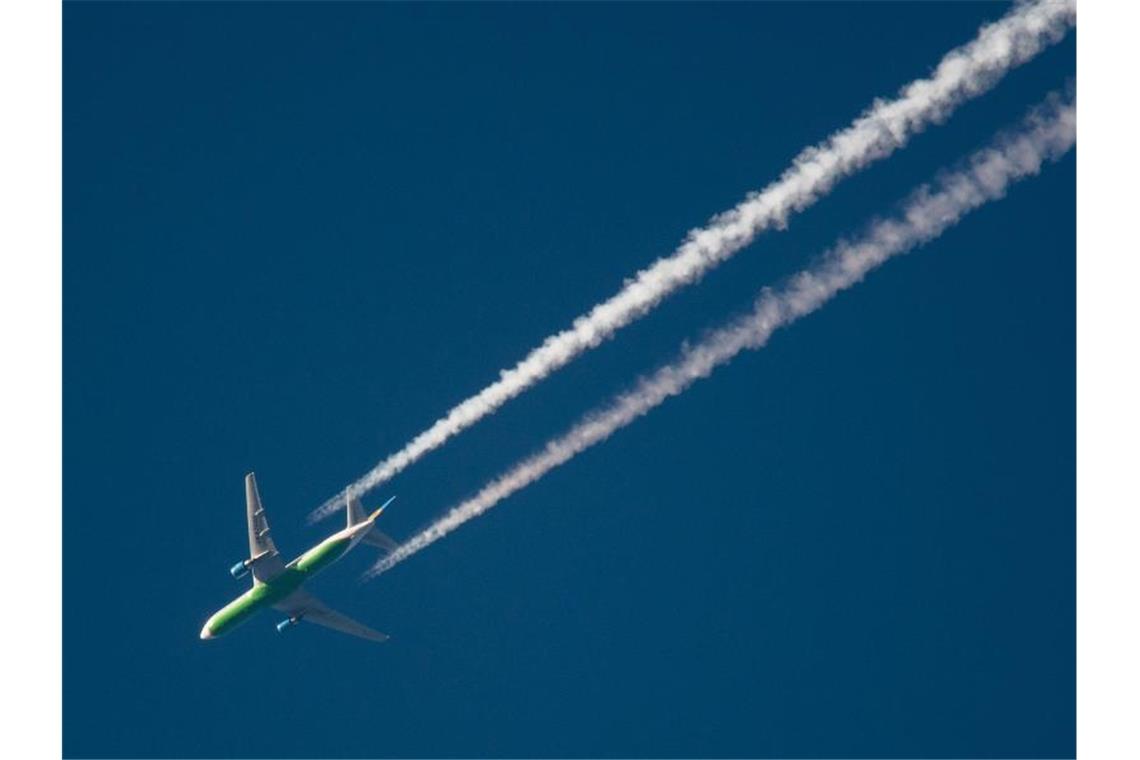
[
  {"x": 354, "y": 510},
  {"x": 380, "y": 540}
]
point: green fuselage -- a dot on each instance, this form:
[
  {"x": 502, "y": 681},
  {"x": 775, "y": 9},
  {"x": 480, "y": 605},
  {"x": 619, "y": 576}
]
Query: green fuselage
[{"x": 265, "y": 595}]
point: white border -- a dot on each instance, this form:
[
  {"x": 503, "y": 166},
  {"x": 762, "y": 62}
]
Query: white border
[
  {"x": 1108, "y": 383},
  {"x": 30, "y": 379}
]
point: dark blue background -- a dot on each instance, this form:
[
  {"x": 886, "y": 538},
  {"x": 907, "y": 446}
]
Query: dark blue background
[{"x": 296, "y": 234}]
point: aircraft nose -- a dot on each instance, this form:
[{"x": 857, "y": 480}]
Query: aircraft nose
[{"x": 206, "y": 633}]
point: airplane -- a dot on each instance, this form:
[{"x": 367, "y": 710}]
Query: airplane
[{"x": 279, "y": 585}]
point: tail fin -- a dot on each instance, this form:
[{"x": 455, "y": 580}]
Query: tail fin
[
  {"x": 383, "y": 506},
  {"x": 354, "y": 510}
]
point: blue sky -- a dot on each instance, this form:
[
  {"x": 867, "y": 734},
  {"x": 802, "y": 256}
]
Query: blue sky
[{"x": 296, "y": 234}]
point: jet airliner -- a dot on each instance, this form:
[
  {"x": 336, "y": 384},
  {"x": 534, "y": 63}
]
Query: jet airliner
[{"x": 279, "y": 585}]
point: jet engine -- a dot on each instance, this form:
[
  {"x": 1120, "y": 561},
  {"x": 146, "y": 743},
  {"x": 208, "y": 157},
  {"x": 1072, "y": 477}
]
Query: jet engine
[
  {"x": 240, "y": 569},
  {"x": 288, "y": 622}
]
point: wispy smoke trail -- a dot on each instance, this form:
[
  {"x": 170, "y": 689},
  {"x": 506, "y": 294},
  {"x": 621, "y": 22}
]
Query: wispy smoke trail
[
  {"x": 963, "y": 73},
  {"x": 1047, "y": 133}
]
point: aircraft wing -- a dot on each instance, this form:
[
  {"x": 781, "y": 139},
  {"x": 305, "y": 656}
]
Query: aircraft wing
[
  {"x": 301, "y": 604},
  {"x": 264, "y": 561}
]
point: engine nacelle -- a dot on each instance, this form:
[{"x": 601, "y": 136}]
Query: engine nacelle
[
  {"x": 240, "y": 570},
  {"x": 287, "y": 623}
]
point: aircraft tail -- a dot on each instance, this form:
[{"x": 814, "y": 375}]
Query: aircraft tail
[
  {"x": 355, "y": 515},
  {"x": 380, "y": 540},
  {"x": 354, "y": 511}
]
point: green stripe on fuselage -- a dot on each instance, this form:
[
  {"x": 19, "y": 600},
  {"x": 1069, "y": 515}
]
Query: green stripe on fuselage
[
  {"x": 265, "y": 595},
  {"x": 320, "y": 556}
]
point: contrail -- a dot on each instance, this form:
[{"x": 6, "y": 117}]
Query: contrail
[
  {"x": 1047, "y": 133},
  {"x": 963, "y": 73}
]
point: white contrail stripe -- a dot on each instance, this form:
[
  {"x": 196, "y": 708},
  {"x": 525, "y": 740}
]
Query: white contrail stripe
[
  {"x": 1048, "y": 133},
  {"x": 963, "y": 73}
]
